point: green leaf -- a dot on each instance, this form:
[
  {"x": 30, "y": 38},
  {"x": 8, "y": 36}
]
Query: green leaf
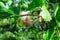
[
  {"x": 45, "y": 14},
  {"x": 48, "y": 35},
  {"x": 9, "y": 34},
  {"x": 23, "y": 4},
  {"x": 4, "y": 12},
  {"x": 35, "y": 3},
  {"x": 5, "y": 0},
  {"x": 55, "y": 8},
  {"x": 58, "y": 16}
]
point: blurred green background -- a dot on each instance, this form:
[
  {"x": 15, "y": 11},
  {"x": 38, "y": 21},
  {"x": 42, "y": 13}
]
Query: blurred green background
[{"x": 29, "y": 19}]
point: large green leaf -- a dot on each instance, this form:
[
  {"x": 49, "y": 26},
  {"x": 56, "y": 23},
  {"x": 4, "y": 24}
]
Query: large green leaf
[
  {"x": 45, "y": 13},
  {"x": 58, "y": 16},
  {"x": 35, "y": 3},
  {"x": 55, "y": 8},
  {"x": 49, "y": 34},
  {"x": 4, "y": 12}
]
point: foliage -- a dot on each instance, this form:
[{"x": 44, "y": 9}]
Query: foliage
[{"x": 44, "y": 20}]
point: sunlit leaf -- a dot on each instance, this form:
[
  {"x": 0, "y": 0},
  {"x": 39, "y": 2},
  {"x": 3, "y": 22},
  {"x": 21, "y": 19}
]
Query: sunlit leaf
[{"x": 45, "y": 14}]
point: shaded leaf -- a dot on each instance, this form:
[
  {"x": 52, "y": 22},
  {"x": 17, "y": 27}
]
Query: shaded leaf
[{"x": 35, "y": 3}]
